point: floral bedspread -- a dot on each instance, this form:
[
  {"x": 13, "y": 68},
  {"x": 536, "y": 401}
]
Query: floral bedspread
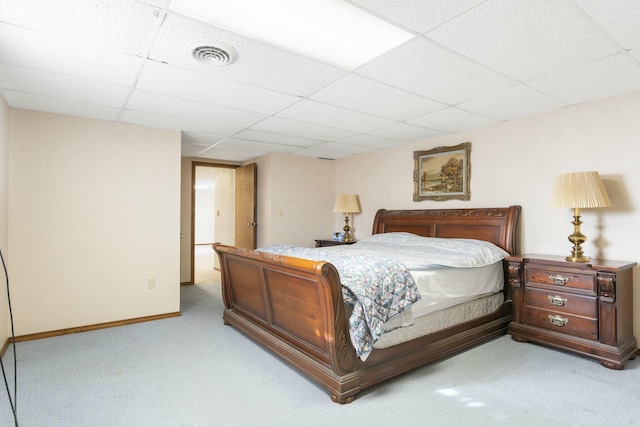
[{"x": 377, "y": 288}]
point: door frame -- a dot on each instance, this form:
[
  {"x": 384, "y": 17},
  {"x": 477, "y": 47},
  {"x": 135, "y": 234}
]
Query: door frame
[{"x": 195, "y": 164}]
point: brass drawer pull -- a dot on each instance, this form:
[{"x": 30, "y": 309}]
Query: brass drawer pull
[
  {"x": 558, "y": 321},
  {"x": 559, "y": 280},
  {"x": 557, "y": 300}
]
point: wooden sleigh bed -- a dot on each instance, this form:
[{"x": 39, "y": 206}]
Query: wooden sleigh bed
[{"x": 294, "y": 307}]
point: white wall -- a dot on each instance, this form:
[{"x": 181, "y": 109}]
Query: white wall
[
  {"x": 295, "y": 199},
  {"x": 5, "y": 330},
  {"x": 516, "y": 163},
  {"x": 94, "y": 213},
  {"x": 205, "y": 221}
]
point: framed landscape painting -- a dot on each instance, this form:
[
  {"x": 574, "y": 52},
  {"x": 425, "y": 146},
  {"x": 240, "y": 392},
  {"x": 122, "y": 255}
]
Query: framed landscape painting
[{"x": 443, "y": 173}]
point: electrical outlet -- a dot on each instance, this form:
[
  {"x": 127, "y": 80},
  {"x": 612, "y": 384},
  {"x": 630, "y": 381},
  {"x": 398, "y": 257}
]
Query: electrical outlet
[
  {"x": 151, "y": 283},
  {"x": 281, "y": 212}
]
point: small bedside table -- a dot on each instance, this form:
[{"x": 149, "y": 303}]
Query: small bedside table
[
  {"x": 584, "y": 308},
  {"x": 322, "y": 243}
]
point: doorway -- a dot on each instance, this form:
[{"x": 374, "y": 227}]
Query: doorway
[{"x": 213, "y": 217}]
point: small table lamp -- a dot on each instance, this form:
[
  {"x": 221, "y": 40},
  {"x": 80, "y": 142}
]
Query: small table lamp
[
  {"x": 347, "y": 203},
  {"x": 578, "y": 190}
]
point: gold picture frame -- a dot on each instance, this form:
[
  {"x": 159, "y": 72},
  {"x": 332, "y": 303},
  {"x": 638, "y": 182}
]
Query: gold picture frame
[{"x": 443, "y": 173}]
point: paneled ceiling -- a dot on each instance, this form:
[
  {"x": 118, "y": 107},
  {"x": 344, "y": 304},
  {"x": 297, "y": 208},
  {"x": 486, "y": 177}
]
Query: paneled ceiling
[{"x": 470, "y": 64}]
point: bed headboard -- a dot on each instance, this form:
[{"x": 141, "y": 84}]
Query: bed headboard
[{"x": 495, "y": 225}]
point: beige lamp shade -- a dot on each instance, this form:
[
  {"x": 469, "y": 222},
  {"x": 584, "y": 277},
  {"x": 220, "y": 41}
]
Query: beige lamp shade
[
  {"x": 579, "y": 190},
  {"x": 347, "y": 203}
]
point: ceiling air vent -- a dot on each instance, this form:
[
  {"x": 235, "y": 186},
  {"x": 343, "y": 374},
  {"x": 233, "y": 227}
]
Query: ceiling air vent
[{"x": 213, "y": 53}]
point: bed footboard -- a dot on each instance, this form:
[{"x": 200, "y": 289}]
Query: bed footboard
[{"x": 293, "y": 307}]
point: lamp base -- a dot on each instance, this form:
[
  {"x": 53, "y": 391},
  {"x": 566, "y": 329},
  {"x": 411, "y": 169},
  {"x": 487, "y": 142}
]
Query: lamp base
[
  {"x": 577, "y": 238},
  {"x": 578, "y": 258},
  {"x": 348, "y": 237}
]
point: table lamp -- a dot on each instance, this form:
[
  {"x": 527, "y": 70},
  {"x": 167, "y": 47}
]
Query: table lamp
[
  {"x": 578, "y": 190},
  {"x": 347, "y": 203}
]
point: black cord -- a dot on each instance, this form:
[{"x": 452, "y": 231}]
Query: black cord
[{"x": 13, "y": 402}]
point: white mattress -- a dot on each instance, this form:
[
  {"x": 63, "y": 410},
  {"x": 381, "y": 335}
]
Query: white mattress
[
  {"x": 445, "y": 287},
  {"x": 441, "y": 289},
  {"x": 442, "y": 319}
]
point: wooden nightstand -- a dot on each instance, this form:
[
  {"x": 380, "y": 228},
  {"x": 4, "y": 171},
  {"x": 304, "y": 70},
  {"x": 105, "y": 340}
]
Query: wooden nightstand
[
  {"x": 584, "y": 308},
  {"x": 321, "y": 243}
]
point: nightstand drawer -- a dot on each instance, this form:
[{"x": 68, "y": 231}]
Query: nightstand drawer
[
  {"x": 576, "y": 326},
  {"x": 561, "y": 278},
  {"x": 579, "y": 305}
]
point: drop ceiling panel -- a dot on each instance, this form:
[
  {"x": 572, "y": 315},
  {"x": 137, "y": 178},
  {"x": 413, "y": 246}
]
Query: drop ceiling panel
[
  {"x": 327, "y": 115},
  {"x": 304, "y": 130},
  {"x": 204, "y": 141},
  {"x": 171, "y": 122},
  {"x": 512, "y": 103},
  {"x": 618, "y": 18},
  {"x": 421, "y": 67},
  {"x": 61, "y": 86},
  {"x": 324, "y": 152},
  {"x": 371, "y": 141},
  {"x": 545, "y": 36},
  {"x": 43, "y": 52},
  {"x": 265, "y": 147},
  {"x": 276, "y": 138},
  {"x": 230, "y": 154},
  {"x": 30, "y": 101},
  {"x": 418, "y": 15},
  {"x": 406, "y": 132},
  {"x": 258, "y": 64},
  {"x": 123, "y": 26},
  {"x": 152, "y": 103},
  {"x": 350, "y": 149},
  {"x": 608, "y": 77},
  {"x": 180, "y": 83},
  {"x": 453, "y": 120},
  {"x": 489, "y": 60},
  {"x": 358, "y": 93}
]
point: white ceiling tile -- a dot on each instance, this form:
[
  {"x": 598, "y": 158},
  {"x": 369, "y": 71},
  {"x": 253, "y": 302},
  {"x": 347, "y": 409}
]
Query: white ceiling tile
[
  {"x": 423, "y": 68},
  {"x": 185, "y": 84},
  {"x": 61, "y": 86},
  {"x": 452, "y": 120},
  {"x": 619, "y": 18},
  {"x": 240, "y": 144},
  {"x": 124, "y": 26},
  {"x": 512, "y": 103},
  {"x": 153, "y": 103},
  {"x": 418, "y": 15},
  {"x": 191, "y": 149},
  {"x": 29, "y": 101},
  {"x": 89, "y": 57},
  {"x": 275, "y": 138},
  {"x": 304, "y": 130},
  {"x": 405, "y": 132},
  {"x": 230, "y": 154},
  {"x": 361, "y": 94},
  {"x": 257, "y": 64},
  {"x": 545, "y": 36},
  {"x": 170, "y": 122},
  {"x": 371, "y": 141},
  {"x": 32, "y": 49},
  {"x": 346, "y": 148},
  {"x": 204, "y": 141},
  {"x": 324, "y": 151},
  {"x": 330, "y": 116},
  {"x": 608, "y": 77}
]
